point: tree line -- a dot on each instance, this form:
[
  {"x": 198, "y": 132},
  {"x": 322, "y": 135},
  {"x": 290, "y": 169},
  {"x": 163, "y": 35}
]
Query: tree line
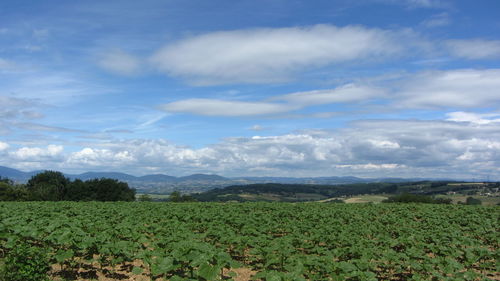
[{"x": 54, "y": 186}]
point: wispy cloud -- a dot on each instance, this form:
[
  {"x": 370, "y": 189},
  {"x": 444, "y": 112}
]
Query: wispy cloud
[
  {"x": 274, "y": 105},
  {"x": 256, "y": 128},
  {"x": 344, "y": 94},
  {"x": 463, "y": 88},
  {"x": 438, "y": 20},
  {"x": 474, "y": 48},
  {"x": 270, "y": 55},
  {"x": 426, "y": 3},
  {"x": 427, "y": 89},
  {"x": 413, "y": 4},
  {"x": 120, "y": 62},
  {"x": 45, "y": 128},
  {"x": 474, "y": 118},
  {"x": 6, "y": 65},
  {"x": 213, "y": 107}
]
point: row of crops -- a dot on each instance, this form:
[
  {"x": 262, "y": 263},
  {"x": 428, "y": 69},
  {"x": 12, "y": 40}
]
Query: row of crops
[{"x": 259, "y": 241}]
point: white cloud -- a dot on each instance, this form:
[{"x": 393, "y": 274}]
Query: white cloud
[
  {"x": 464, "y": 88},
  {"x": 342, "y": 94},
  {"x": 256, "y": 128},
  {"x": 417, "y": 3},
  {"x": 289, "y": 102},
  {"x": 426, "y": 3},
  {"x": 213, "y": 107},
  {"x": 400, "y": 148},
  {"x": 41, "y": 127},
  {"x": 36, "y": 154},
  {"x": 476, "y": 118},
  {"x": 54, "y": 88},
  {"x": 3, "y": 146},
  {"x": 100, "y": 157},
  {"x": 271, "y": 55},
  {"x": 474, "y": 48},
  {"x": 371, "y": 166},
  {"x": 119, "y": 62},
  {"x": 14, "y": 109}
]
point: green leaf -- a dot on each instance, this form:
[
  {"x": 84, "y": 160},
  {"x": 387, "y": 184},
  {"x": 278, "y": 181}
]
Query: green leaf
[
  {"x": 137, "y": 270},
  {"x": 63, "y": 255},
  {"x": 208, "y": 272}
]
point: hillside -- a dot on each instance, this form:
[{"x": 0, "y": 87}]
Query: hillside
[
  {"x": 196, "y": 183},
  {"x": 309, "y": 192}
]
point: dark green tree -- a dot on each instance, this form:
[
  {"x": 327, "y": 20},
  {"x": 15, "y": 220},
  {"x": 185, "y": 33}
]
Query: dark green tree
[
  {"x": 110, "y": 190},
  {"x": 80, "y": 191},
  {"x": 48, "y": 186},
  {"x": 472, "y": 201},
  {"x": 177, "y": 197}
]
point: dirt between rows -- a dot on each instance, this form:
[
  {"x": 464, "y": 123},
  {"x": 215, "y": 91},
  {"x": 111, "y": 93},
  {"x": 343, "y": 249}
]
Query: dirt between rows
[{"x": 124, "y": 272}]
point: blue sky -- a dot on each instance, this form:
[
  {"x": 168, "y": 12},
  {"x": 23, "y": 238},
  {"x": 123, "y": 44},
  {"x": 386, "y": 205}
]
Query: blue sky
[{"x": 369, "y": 88}]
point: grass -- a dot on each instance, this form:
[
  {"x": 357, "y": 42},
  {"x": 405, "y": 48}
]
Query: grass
[
  {"x": 486, "y": 200},
  {"x": 154, "y": 196},
  {"x": 366, "y": 199}
]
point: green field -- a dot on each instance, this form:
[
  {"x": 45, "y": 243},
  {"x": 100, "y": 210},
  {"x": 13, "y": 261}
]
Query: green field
[
  {"x": 366, "y": 199},
  {"x": 259, "y": 241},
  {"x": 485, "y": 200}
]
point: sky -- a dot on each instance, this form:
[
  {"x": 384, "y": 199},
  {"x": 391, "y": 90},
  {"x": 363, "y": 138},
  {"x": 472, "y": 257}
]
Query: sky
[{"x": 299, "y": 88}]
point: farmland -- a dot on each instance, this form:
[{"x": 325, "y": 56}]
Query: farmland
[{"x": 263, "y": 241}]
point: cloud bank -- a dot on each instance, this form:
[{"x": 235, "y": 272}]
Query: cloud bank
[{"x": 401, "y": 148}]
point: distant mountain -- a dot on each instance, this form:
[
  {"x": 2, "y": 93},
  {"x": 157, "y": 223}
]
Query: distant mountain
[
  {"x": 16, "y": 175},
  {"x": 307, "y": 180},
  {"x": 160, "y": 183},
  {"x": 98, "y": 175},
  {"x": 158, "y": 177},
  {"x": 203, "y": 177},
  {"x": 11, "y": 173}
]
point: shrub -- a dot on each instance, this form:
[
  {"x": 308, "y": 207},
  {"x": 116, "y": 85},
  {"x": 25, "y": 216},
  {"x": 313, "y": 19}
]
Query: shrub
[
  {"x": 26, "y": 263},
  {"x": 416, "y": 198},
  {"x": 472, "y": 201}
]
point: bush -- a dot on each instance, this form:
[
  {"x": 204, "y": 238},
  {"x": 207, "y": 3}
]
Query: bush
[
  {"x": 176, "y": 196},
  {"x": 472, "y": 201},
  {"x": 416, "y": 198},
  {"x": 145, "y": 198},
  {"x": 26, "y": 263}
]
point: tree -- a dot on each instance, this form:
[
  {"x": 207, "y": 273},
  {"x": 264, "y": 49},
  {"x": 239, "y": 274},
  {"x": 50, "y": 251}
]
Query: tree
[
  {"x": 48, "y": 186},
  {"x": 145, "y": 198},
  {"x": 80, "y": 191},
  {"x": 12, "y": 192},
  {"x": 416, "y": 198},
  {"x": 54, "y": 186},
  {"x": 6, "y": 180},
  {"x": 110, "y": 190},
  {"x": 176, "y": 196},
  {"x": 472, "y": 201}
]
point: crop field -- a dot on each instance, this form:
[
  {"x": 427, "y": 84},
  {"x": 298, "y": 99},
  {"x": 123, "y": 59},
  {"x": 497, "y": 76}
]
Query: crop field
[{"x": 254, "y": 241}]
